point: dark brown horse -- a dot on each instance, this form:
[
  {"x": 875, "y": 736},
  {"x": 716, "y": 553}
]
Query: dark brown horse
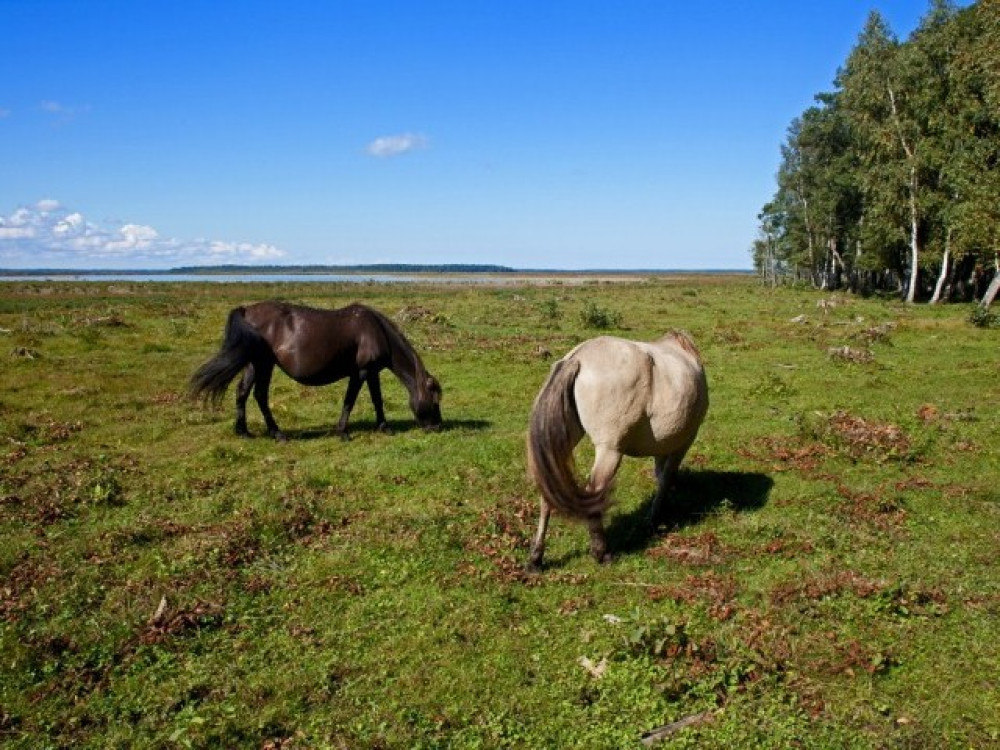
[{"x": 315, "y": 347}]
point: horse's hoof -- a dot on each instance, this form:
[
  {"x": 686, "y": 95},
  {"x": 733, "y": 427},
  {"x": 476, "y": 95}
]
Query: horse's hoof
[
  {"x": 604, "y": 559},
  {"x": 245, "y": 434},
  {"x": 532, "y": 568},
  {"x": 280, "y": 436},
  {"x": 345, "y": 436}
]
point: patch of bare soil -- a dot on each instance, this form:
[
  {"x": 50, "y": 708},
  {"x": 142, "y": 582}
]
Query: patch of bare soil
[
  {"x": 717, "y": 591},
  {"x": 703, "y": 549},
  {"x": 20, "y": 585},
  {"x": 863, "y": 438},
  {"x": 501, "y": 538},
  {"x": 787, "y": 453},
  {"x": 815, "y": 588},
  {"x": 880, "y": 508}
]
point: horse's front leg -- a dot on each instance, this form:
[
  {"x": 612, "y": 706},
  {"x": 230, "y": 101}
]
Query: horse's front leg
[
  {"x": 242, "y": 394},
  {"x": 260, "y": 394},
  {"x": 353, "y": 388},
  {"x": 375, "y": 391},
  {"x": 538, "y": 545}
]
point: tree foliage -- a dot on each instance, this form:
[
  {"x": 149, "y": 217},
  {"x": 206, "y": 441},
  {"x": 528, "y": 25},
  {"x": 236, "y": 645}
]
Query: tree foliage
[{"x": 891, "y": 182}]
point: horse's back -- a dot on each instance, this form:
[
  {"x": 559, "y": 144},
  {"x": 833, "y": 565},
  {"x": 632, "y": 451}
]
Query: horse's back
[
  {"x": 642, "y": 398},
  {"x": 288, "y": 314},
  {"x": 316, "y": 346},
  {"x": 612, "y": 368}
]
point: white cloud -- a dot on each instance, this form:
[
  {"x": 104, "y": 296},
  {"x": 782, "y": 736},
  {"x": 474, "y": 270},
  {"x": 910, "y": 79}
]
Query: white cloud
[
  {"x": 245, "y": 249},
  {"x": 394, "y": 145},
  {"x": 63, "y": 113},
  {"x": 69, "y": 223},
  {"x": 15, "y": 233},
  {"x": 47, "y": 235},
  {"x": 132, "y": 237}
]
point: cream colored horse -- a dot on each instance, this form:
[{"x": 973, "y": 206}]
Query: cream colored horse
[{"x": 631, "y": 398}]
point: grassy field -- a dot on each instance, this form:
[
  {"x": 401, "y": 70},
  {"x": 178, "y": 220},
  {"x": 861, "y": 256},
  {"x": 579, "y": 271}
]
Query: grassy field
[{"x": 827, "y": 576}]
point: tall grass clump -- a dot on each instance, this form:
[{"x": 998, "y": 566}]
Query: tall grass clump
[{"x": 598, "y": 317}]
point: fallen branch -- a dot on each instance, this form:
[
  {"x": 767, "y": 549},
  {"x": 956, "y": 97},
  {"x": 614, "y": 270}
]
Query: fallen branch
[
  {"x": 653, "y": 736},
  {"x": 160, "y": 614},
  {"x": 638, "y": 584}
]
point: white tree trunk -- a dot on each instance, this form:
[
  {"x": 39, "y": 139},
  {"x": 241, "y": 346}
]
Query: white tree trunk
[
  {"x": 943, "y": 276},
  {"x": 991, "y": 292},
  {"x": 911, "y": 293},
  {"x": 809, "y": 233},
  {"x": 911, "y": 157},
  {"x": 837, "y": 259}
]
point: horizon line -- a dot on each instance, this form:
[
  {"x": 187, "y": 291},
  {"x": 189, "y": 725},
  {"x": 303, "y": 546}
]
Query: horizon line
[{"x": 310, "y": 268}]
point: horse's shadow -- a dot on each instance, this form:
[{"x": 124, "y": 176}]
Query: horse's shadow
[
  {"x": 695, "y": 494},
  {"x": 368, "y": 426}
]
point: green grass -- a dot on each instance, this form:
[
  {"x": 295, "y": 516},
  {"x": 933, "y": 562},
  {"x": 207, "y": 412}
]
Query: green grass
[{"x": 827, "y": 576}]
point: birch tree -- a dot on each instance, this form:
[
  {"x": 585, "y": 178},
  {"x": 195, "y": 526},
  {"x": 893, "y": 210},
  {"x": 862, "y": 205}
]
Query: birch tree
[{"x": 894, "y": 177}]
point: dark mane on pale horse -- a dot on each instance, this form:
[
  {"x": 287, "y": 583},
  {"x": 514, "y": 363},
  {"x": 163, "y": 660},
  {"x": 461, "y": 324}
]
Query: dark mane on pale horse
[{"x": 684, "y": 341}]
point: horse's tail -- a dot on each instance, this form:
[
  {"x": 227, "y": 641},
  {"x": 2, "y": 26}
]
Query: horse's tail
[
  {"x": 551, "y": 440},
  {"x": 240, "y": 344}
]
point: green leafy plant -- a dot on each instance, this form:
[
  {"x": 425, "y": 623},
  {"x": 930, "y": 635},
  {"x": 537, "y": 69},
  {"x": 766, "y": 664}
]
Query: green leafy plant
[
  {"x": 549, "y": 309},
  {"x": 595, "y": 316},
  {"x": 982, "y": 317}
]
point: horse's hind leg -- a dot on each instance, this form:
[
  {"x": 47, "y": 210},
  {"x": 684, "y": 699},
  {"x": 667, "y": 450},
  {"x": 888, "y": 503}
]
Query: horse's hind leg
[
  {"x": 598, "y": 539},
  {"x": 260, "y": 394},
  {"x": 242, "y": 394},
  {"x": 666, "y": 472},
  {"x": 538, "y": 544},
  {"x": 606, "y": 463}
]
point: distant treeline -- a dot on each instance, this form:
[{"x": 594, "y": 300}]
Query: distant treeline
[
  {"x": 891, "y": 182},
  {"x": 360, "y": 268}
]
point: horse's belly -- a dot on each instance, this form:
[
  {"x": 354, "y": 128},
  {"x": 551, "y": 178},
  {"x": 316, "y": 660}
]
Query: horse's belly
[
  {"x": 317, "y": 376},
  {"x": 649, "y": 438},
  {"x": 323, "y": 379}
]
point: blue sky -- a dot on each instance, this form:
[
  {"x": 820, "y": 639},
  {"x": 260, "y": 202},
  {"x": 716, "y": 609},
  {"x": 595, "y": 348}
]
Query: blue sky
[{"x": 533, "y": 134}]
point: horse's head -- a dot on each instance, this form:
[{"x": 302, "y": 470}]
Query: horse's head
[{"x": 425, "y": 401}]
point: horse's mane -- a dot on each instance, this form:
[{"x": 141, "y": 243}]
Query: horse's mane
[
  {"x": 684, "y": 341},
  {"x": 396, "y": 338}
]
